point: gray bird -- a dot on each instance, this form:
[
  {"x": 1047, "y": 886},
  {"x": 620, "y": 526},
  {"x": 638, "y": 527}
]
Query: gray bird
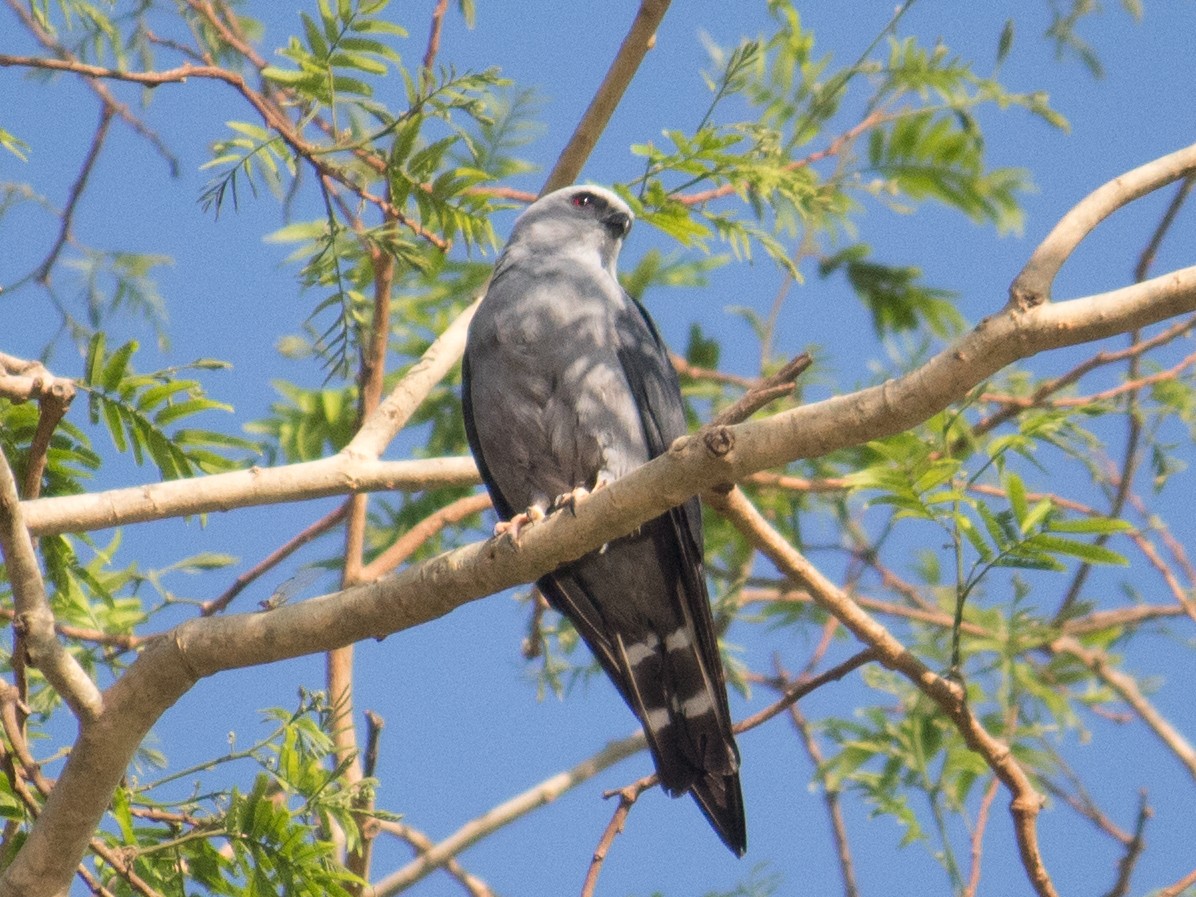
[{"x": 567, "y": 387}]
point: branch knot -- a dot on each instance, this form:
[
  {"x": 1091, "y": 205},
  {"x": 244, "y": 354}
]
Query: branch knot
[{"x": 719, "y": 441}]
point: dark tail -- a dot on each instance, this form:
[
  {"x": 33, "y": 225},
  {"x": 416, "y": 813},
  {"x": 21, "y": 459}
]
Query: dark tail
[
  {"x": 721, "y": 802},
  {"x": 682, "y": 708}
]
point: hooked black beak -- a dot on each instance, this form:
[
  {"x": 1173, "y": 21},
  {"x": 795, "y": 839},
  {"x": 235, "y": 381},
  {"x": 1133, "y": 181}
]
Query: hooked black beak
[{"x": 618, "y": 223}]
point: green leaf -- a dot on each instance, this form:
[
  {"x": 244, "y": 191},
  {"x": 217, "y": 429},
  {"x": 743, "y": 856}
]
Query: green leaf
[
  {"x": 1005, "y": 44},
  {"x": 1085, "y": 551},
  {"x": 1094, "y": 525},
  {"x": 14, "y": 145},
  {"x": 1015, "y": 489}
]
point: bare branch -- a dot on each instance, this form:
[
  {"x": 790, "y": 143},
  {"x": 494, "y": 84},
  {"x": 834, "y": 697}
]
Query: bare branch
[
  {"x": 422, "y": 843},
  {"x": 1133, "y": 850},
  {"x": 34, "y": 621},
  {"x": 1033, "y": 285},
  {"x": 338, "y": 475},
  {"x": 1026, "y": 801},
  {"x": 1179, "y": 887},
  {"x": 986, "y": 802},
  {"x": 639, "y": 40},
  {"x": 627, "y": 797},
  {"x": 410, "y": 541},
  {"x": 547, "y": 791},
  {"x": 76, "y": 193},
  {"x": 1125, "y": 686},
  {"x": 434, "y": 37},
  {"x": 272, "y": 560},
  {"x": 830, "y": 797}
]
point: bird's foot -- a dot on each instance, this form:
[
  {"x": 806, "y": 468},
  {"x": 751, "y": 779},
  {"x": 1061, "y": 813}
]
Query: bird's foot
[
  {"x": 515, "y": 525},
  {"x": 575, "y": 497}
]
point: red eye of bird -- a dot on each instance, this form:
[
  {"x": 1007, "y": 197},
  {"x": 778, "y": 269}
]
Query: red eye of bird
[{"x": 581, "y": 200}]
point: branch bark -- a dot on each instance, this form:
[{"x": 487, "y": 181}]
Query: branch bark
[
  {"x": 34, "y": 620},
  {"x": 174, "y": 661},
  {"x": 640, "y": 39}
]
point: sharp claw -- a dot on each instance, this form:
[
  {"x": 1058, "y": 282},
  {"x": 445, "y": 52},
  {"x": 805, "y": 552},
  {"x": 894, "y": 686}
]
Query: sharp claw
[
  {"x": 515, "y": 525},
  {"x": 576, "y": 496},
  {"x": 570, "y": 500}
]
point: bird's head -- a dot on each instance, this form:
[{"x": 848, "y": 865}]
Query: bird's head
[{"x": 575, "y": 219}]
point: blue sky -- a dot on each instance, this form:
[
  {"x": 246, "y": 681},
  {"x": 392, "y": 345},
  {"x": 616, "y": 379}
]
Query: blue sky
[{"x": 464, "y": 730}]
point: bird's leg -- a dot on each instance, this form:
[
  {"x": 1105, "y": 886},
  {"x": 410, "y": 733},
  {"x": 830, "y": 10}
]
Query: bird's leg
[{"x": 513, "y": 526}]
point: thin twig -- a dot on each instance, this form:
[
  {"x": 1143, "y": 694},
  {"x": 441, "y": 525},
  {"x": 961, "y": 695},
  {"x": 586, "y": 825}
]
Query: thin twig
[
  {"x": 434, "y": 37},
  {"x": 1179, "y": 887},
  {"x": 422, "y": 843},
  {"x": 835, "y": 147},
  {"x": 830, "y": 796},
  {"x": 1127, "y": 688},
  {"x": 473, "y": 831},
  {"x": 977, "y": 840},
  {"x": 408, "y": 543},
  {"x": 1133, "y": 439},
  {"x": 121, "y": 641},
  {"x": 627, "y": 797},
  {"x": 1133, "y": 850},
  {"x": 1105, "y": 395},
  {"x": 803, "y": 687},
  {"x": 76, "y": 193},
  {"x": 764, "y": 392},
  {"x": 99, "y": 89},
  {"x": 315, "y": 156},
  {"x": 1016, "y": 404},
  {"x": 273, "y": 559},
  {"x": 373, "y": 736}
]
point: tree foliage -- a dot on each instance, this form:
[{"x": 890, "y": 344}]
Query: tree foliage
[{"x": 1009, "y": 541}]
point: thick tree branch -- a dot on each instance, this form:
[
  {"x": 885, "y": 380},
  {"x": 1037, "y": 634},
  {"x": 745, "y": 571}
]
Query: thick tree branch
[
  {"x": 172, "y": 663},
  {"x": 34, "y": 620},
  {"x": 338, "y": 475},
  {"x": 1033, "y": 284}
]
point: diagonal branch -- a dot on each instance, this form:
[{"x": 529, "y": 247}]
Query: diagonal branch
[
  {"x": 1127, "y": 688},
  {"x": 170, "y": 664},
  {"x": 640, "y": 39},
  {"x": 549, "y": 790},
  {"x": 1026, "y": 801},
  {"x": 1033, "y": 284},
  {"x": 34, "y": 621}
]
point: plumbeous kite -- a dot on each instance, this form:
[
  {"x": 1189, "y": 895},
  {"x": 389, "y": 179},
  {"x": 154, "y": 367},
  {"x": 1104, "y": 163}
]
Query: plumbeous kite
[{"x": 567, "y": 387}]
